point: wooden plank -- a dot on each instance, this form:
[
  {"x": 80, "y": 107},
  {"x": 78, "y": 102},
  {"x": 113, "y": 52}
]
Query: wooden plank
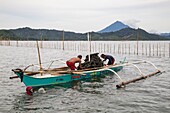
[
  {"x": 57, "y": 69},
  {"x": 66, "y": 72},
  {"x": 13, "y": 77}
]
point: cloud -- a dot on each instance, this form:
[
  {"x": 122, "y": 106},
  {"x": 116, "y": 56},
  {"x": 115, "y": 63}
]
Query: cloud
[
  {"x": 84, "y": 15},
  {"x": 132, "y": 23}
]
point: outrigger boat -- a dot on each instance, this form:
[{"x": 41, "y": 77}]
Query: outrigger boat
[
  {"x": 64, "y": 75},
  {"x": 45, "y": 77},
  {"x": 61, "y": 75}
]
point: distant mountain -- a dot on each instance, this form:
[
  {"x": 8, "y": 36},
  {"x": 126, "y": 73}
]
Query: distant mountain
[
  {"x": 56, "y": 35},
  {"x": 27, "y": 33},
  {"x": 116, "y": 26},
  {"x": 134, "y": 34},
  {"x": 127, "y": 34},
  {"x": 165, "y": 35}
]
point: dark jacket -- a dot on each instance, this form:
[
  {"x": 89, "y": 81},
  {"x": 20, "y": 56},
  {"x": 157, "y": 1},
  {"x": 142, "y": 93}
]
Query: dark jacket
[{"x": 110, "y": 58}]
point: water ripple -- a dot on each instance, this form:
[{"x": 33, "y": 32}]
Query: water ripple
[{"x": 145, "y": 96}]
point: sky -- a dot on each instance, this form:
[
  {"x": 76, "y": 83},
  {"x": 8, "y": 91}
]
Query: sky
[{"x": 85, "y": 15}]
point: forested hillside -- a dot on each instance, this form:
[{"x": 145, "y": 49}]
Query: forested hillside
[{"x": 46, "y": 34}]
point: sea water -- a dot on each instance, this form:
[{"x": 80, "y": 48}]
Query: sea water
[{"x": 151, "y": 95}]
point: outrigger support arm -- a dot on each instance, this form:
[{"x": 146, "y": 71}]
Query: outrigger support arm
[
  {"x": 152, "y": 65},
  {"x": 115, "y": 74},
  {"x": 138, "y": 70},
  {"x": 122, "y": 84}
]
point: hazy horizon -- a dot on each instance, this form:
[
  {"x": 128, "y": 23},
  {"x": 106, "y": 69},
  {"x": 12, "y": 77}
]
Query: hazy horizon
[{"x": 84, "y": 15}]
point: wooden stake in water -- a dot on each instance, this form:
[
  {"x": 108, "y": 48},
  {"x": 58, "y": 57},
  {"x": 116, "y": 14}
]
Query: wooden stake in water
[
  {"x": 149, "y": 49},
  {"x": 118, "y": 48},
  {"x": 39, "y": 57},
  {"x": 17, "y": 43},
  {"x": 157, "y": 49},
  {"x": 88, "y": 38},
  {"x": 137, "y": 41},
  {"x": 104, "y": 47},
  {"x": 110, "y": 48},
  {"x": 113, "y": 47},
  {"x": 164, "y": 49},
  {"x": 90, "y": 42},
  {"x": 153, "y": 49},
  {"x": 169, "y": 49},
  {"x": 160, "y": 50},
  {"x": 129, "y": 49},
  {"x": 142, "y": 48},
  {"x": 134, "y": 49},
  {"x": 137, "y": 47},
  {"x": 63, "y": 39},
  {"x": 146, "y": 49},
  {"x": 122, "y": 49},
  {"x": 125, "y": 48}
]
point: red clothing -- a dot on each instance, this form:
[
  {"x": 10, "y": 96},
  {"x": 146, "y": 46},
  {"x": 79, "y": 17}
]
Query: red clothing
[
  {"x": 71, "y": 65},
  {"x": 29, "y": 90}
]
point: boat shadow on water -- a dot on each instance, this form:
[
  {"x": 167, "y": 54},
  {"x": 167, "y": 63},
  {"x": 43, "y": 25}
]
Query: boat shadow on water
[
  {"x": 78, "y": 85},
  {"x": 26, "y": 103}
]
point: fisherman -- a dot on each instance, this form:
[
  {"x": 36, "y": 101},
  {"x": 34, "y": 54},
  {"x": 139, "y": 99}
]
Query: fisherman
[
  {"x": 71, "y": 63},
  {"x": 29, "y": 91},
  {"x": 108, "y": 59}
]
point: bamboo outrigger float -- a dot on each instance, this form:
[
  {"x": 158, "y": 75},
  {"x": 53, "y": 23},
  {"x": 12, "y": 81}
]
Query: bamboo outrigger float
[{"x": 142, "y": 76}]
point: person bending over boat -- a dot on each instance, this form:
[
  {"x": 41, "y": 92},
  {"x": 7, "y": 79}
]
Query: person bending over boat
[
  {"x": 108, "y": 59},
  {"x": 71, "y": 63}
]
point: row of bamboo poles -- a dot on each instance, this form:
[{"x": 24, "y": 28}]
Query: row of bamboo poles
[{"x": 147, "y": 48}]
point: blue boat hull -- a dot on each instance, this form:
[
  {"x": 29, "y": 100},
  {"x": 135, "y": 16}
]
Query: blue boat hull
[{"x": 64, "y": 78}]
